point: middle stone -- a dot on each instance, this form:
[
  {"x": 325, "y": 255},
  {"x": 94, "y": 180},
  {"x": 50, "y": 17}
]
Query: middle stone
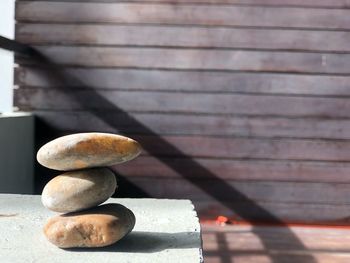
[{"x": 78, "y": 190}]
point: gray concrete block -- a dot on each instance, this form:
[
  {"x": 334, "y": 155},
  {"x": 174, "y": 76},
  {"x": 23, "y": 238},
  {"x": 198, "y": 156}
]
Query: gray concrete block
[
  {"x": 165, "y": 231},
  {"x": 17, "y": 153}
]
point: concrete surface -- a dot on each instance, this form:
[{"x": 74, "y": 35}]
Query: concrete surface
[
  {"x": 17, "y": 153},
  {"x": 165, "y": 231}
]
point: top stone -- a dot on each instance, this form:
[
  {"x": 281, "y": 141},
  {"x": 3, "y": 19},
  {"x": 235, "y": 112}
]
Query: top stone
[{"x": 84, "y": 150}]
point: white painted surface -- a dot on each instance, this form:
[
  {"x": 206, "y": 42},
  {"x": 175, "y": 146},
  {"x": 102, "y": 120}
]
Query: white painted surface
[
  {"x": 7, "y": 25},
  {"x": 165, "y": 231}
]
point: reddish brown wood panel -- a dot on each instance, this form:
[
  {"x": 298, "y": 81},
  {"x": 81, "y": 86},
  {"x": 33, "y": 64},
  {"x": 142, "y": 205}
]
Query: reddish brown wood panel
[
  {"x": 210, "y": 125},
  {"x": 213, "y": 15},
  {"x": 289, "y": 202},
  {"x": 250, "y": 148},
  {"x": 196, "y": 81},
  {"x": 170, "y": 36},
  {"x": 279, "y": 192},
  {"x": 277, "y": 3},
  {"x": 175, "y": 102},
  {"x": 189, "y": 59},
  {"x": 242, "y": 106},
  {"x": 252, "y": 170},
  {"x": 286, "y": 212},
  {"x": 270, "y": 244}
]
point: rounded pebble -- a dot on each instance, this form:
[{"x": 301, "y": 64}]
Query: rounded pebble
[
  {"x": 77, "y": 190},
  {"x": 84, "y": 150},
  {"x": 97, "y": 227}
]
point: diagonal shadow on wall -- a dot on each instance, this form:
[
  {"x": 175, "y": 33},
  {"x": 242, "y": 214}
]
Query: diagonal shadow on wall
[{"x": 191, "y": 175}]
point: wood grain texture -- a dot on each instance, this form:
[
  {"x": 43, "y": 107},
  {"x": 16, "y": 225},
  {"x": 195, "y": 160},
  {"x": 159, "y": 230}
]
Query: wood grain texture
[
  {"x": 262, "y": 244},
  {"x": 279, "y": 192},
  {"x": 277, "y": 3},
  {"x": 251, "y": 170},
  {"x": 189, "y": 59},
  {"x": 213, "y": 15},
  {"x": 196, "y": 81},
  {"x": 174, "y": 102},
  {"x": 287, "y": 212},
  {"x": 245, "y": 237},
  {"x": 250, "y": 148},
  {"x": 189, "y": 124},
  {"x": 243, "y": 106},
  {"x": 183, "y": 37},
  {"x": 246, "y": 148}
]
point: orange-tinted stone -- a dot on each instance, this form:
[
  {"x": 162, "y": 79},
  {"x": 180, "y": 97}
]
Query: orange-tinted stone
[
  {"x": 97, "y": 227},
  {"x": 84, "y": 150}
]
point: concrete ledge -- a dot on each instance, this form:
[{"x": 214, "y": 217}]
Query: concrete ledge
[{"x": 165, "y": 231}]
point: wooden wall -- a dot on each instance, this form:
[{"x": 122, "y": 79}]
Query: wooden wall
[{"x": 241, "y": 105}]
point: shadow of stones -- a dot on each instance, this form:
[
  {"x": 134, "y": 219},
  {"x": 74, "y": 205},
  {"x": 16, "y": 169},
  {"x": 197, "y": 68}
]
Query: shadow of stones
[{"x": 192, "y": 175}]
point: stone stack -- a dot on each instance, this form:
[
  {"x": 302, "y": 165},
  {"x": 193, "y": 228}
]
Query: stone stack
[{"x": 86, "y": 184}]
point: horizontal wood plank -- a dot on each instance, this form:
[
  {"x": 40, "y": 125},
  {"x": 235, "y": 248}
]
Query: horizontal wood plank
[
  {"x": 183, "y": 37},
  {"x": 174, "y": 102},
  {"x": 277, "y": 3},
  {"x": 295, "y": 213},
  {"x": 241, "y": 191},
  {"x": 187, "y": 124},
  {"x": 247, "y": 238},
  {"x": 76, "y": 12},
  {"x": 201, "y": 81},
  {"x": 247, "y": 148},
  {"x": 241, "y": 106},
  {"x": 242, "y": 148},
  {"x": 282, "y": 171},
  {"x": 253, "y": 244},
  {"x": 188, "y": 59}
]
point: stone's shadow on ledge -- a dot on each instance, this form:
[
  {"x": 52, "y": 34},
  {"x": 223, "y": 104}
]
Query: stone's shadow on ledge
[{"x": 148, "y": 242}]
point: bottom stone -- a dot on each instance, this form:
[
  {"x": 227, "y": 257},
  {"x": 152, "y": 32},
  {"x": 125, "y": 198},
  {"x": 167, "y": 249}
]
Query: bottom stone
[{"x": 97, "y": 227}]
